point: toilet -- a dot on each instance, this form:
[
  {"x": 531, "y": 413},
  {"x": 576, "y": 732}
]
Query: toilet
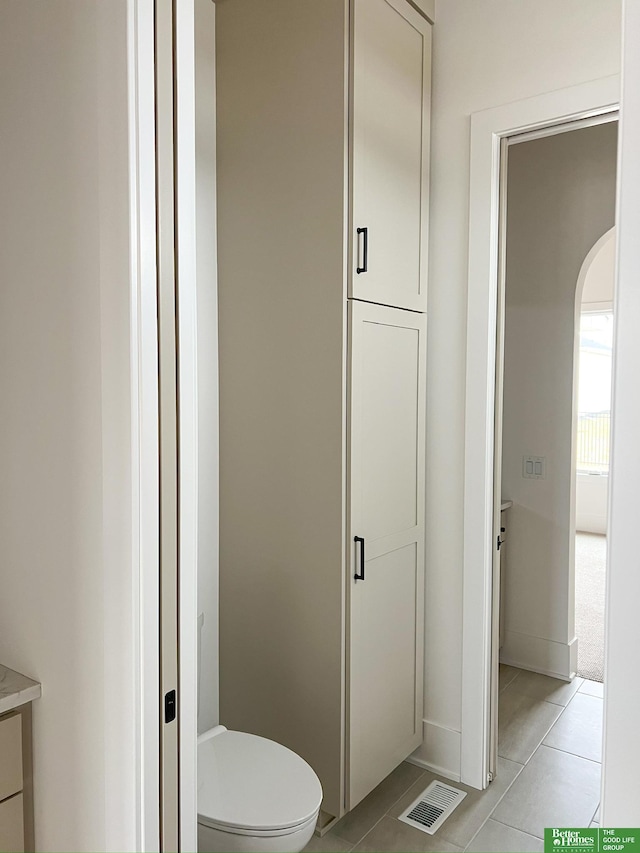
[{"x": 253, "y": 795}]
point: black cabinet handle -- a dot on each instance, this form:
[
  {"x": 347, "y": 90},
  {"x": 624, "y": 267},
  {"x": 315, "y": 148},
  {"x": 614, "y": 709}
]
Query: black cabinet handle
[
  {"x": 360, "y": 577},
  {"x": 365, "y": 232}
]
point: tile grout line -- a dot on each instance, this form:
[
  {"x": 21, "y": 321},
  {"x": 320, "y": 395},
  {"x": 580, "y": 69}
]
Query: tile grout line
[
  {"x": 540, "y": 745},
  {"x": 545, "y": 701},
  {"x": 517, "y": 828},
  {"x": 566, "y": 752},
  {"x": 384, "y": 814},
  {"x": 504, "y": 793},
  {"x": 406, "y": 791},
  {"x": 369, "y": 831}
]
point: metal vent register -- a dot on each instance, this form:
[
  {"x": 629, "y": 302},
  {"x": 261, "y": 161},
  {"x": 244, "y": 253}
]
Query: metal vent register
[{"x": 434, "y": 805}]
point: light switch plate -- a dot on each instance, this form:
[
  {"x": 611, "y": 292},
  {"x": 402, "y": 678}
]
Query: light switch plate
[{"x": 534, "y": 467}]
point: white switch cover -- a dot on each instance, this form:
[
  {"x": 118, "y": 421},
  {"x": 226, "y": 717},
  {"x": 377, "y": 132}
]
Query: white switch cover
[{"x": 533, "y": 467}]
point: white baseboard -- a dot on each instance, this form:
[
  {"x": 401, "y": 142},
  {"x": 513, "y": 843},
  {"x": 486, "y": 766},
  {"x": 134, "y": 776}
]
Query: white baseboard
[
  {"x": 538, "y": 655},
  {"x": 439, "y": 752}
]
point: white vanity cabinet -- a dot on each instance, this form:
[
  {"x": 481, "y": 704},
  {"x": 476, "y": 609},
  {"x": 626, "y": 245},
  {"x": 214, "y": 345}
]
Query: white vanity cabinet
[{"x": 322, "y": 128}]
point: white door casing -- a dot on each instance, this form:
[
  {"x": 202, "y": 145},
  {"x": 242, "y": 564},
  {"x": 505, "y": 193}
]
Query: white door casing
[
  {"x": 144, "y": 409},
  {"x": 187, "y": 344},
  {"x": 168, "y": 428},
  {"x": 488, "y": 128},
  {"x": 497, "y": 466}
]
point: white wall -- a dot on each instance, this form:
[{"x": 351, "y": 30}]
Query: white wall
[
  {"x": 560, "y": 200},
  {"x": 592, "y": 491},
  {"x": 600, "y": 275},
  {"x": 206, "y": 273},
  {"x": 485, "y": 54},
  {"x": 67, "y": 590},
  {"x": 621, "y": 789}
]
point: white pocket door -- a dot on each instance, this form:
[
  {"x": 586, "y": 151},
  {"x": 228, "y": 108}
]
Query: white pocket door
[{"x": 387, "y": 470}]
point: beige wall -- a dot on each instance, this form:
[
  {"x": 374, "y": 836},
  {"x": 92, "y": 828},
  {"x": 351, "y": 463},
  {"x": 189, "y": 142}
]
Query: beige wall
[
  {"x": 485, "y": 54},
  {"x": 561, "y": 199},
  {"x": 66, "y": 585}
]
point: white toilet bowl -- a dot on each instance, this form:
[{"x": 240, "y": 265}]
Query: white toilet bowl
[{"x": 253, "y": 795}]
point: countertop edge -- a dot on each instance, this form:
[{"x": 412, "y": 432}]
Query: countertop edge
[
  {"x": 16, "y": 689},
  {"x": 22, "y": 697}
]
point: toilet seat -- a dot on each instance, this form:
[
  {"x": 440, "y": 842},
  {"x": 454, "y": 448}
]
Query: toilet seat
[{"x": 248, "y": 785}]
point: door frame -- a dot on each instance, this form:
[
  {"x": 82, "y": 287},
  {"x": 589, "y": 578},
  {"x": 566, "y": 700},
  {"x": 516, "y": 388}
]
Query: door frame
[
  {"x": 187, "y": 346},
  {"x": 144, "y": 415},
  {"x": 488, "y": 128}
]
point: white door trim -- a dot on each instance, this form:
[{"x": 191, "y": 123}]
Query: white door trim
[
  {"x": 185, "y": 190},
  {"x": 487, "y": 129},
  {"x": 621, "y": 753},
  {"x": 144, "y": 416},
  {"x": 145, "y": 555}
]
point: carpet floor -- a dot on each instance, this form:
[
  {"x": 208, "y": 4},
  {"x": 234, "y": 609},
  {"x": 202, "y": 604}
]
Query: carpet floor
[{"x": 591, "y": 559}]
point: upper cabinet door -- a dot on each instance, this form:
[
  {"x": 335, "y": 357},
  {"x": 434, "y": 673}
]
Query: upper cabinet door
[{"x": 390, "y": 153}]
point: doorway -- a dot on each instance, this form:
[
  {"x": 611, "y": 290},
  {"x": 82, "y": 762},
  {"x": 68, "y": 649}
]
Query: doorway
[
  {"x": 559, "y": 196},
  {"x": 546, "y": 115}
]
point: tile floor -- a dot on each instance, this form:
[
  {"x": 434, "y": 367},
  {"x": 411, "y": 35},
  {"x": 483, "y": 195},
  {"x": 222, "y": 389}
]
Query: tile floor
[{"x": 548, "y": 775}]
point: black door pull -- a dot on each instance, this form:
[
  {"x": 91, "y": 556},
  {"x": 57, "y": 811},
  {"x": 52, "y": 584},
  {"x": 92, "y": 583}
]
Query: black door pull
[
  {"x": 360, "y": 577},
  {"x": 365, "y": 249},
  {"x": 170, "y": 706}
]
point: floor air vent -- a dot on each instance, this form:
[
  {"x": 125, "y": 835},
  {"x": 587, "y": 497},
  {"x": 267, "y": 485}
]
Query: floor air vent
[{"x": 432, "y": 807}]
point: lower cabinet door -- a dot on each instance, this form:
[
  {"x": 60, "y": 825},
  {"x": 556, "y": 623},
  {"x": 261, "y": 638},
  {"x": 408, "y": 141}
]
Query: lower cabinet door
[
  {"x": 387, "y": 471},
  {"x": 12, "y": 825}
]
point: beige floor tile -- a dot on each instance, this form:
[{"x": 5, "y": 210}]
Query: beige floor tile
[
  {"x": 393, "y": 836},
  {"x": 472, "y": 812},
  {"x": 554, "y": 789},
  {"x": 546, "y": 688},
  {"x": 359, "y": 821},
  {"x": 506, "y": 675},
  {"x": 523, "y": 723},
  {"x": 329, "y": 843},
  {"x": 495, "y": 837},
  {"x": 592, "y": 688},
  {"x": 579, "y": 729}
]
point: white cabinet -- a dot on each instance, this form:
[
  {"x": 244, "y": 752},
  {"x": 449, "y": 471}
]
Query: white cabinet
[
  {"x": 322, "y": 395},
  {"x": 387, "y": 469},
  {"x": 390, "y": 153}
]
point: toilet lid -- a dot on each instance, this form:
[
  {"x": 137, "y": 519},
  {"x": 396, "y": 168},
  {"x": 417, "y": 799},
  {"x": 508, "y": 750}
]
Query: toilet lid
[{"x": 249, "y": 782}]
